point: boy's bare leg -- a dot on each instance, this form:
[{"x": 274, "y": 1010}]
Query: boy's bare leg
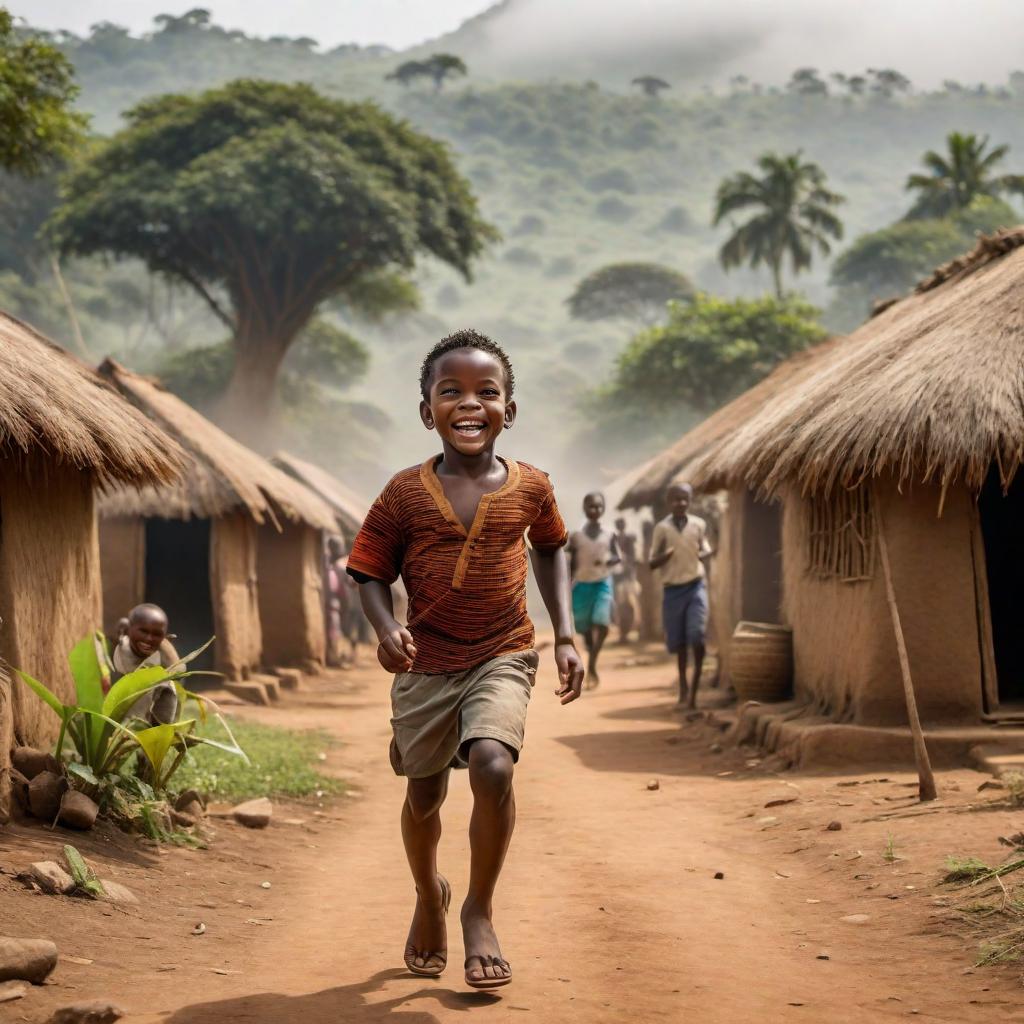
[
  {"x": 598, "y": 636},
  {"x": 698, "y": 665},
  {"x": 681, "y": 662},
  {"x": 490, "y": 831},
  {"x": 421, "y": 832}
]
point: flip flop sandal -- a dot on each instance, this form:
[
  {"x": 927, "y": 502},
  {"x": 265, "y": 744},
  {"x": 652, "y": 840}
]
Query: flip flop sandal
[
  {"x": 411, "y": 952},
  {"x": 488, "y": 961}
]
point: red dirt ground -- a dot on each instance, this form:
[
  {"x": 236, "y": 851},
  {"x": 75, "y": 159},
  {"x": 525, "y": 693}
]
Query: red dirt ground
[{"x": 608, "y": 910}]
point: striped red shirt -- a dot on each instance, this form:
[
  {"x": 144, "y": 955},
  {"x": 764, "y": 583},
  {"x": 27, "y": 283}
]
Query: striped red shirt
[{"x": 467, "y": 588}]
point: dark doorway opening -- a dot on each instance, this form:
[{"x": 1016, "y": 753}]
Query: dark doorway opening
[
  {"x": 178, "y": 579},
  {"x": 761, "y": 553},
  {"x": 1002, "y": 518}
]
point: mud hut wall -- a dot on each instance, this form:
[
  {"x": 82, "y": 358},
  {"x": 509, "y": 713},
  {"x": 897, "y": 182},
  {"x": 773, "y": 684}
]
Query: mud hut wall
[
  {"x": 290, "y": 576},
  {"x": 725, "y": 591},
  {"x": 233, "y": 581},
  {"x": 933, "y": 575},
  {"x": 123, "y": 563},
  {"x": 50, "y": 593}
]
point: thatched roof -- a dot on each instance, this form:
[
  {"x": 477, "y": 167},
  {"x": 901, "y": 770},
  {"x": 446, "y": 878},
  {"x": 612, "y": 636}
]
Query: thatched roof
[
  {"x": 676, "y": 462},
  {"x": 349, "y": 509},
  {"x": 931, "y": 389},
  {"x": 223, "y": 475},
  {"x": 49, "y": 401}
]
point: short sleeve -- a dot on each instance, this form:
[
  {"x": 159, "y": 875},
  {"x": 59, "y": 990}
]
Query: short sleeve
[
  {"x": 547, "y": 531},
  {"x": 378, "y": 548}
]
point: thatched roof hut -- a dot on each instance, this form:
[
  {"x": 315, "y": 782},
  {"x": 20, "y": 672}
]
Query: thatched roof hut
[
  {"x": 63, "y": 434},
  {"x": 913, "y": 424},
  {"x": 233, "y": 548},
  {"x": 929, "y": 390},
  {"x": 349, "y": 509}
]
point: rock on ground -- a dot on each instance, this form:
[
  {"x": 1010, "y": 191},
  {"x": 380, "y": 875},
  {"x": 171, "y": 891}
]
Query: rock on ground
[
  {"x": 51, "y": 878},
  {"x": 26, "y": 959},
  {"x": 77, "y": 810},
  {"x": 254, "y": 813},
  {"x": 98, "y": 1011},
  {"x": 11, "y": 990},
  {"x": 44, "y": 795},
  {"x": 118, "y": 893},
  {"x": 31, "y": 762}
]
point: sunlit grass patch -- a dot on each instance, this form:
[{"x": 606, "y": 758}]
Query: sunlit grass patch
[{"x": 284, "y": 763}]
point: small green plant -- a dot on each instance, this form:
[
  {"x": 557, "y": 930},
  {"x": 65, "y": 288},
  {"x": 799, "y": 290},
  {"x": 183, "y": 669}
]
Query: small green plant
[
  {"x": 86, "y": 882},
  {"x": 100, "y": 727},
  {"x": 965, "y": 869},
  {"x": 889, "y": 854}
]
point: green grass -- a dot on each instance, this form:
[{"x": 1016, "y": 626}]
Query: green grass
[
  {"x": 965, "y": 869},
  {"x": 284, "y": 763}
]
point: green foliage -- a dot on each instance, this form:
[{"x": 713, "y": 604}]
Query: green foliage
[
  {"x": 965, "y": 869},
  {"x": 792, "y": 215},
  {"x": 711, "y": 350},
  {"x": 284, "y": 764},
  {"x": 961, "y": 175},
  {"x": 438, "y": 67},
  {"x": 327, "y": 354},
  {"x": 628, "y": 291},
  {"x": 651, "y": 85},
  {"x": 37, "y": 125},
  {"x": 268, "y": 200}
]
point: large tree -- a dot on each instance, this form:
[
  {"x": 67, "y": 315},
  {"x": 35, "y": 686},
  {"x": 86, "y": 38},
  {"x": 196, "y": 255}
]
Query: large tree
[
  {"x": 628, "y": 291},
  {"x": 268, "y": 200},
  {"x": 37, "y": 125},
  {"x": 709, "y": 351},
  {"x": 792, "y": 215},
  {"x": 651, "y": 85},
  {"x": 958, "y": 177}
]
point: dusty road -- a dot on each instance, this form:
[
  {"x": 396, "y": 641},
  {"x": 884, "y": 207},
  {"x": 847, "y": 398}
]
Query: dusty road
[{"x": 609, "y": 909}]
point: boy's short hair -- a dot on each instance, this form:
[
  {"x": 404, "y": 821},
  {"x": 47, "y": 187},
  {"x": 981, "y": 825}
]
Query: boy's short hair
[{"x": 467, "y": 338}]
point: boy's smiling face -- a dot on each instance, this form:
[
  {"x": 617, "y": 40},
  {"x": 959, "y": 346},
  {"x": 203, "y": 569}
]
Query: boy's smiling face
[
  {"x": 468, "y": 404},
  {"x": 147, "y": 630}
]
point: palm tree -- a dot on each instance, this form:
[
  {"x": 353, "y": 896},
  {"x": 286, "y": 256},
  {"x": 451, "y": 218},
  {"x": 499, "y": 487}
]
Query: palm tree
[
  {"x": 793, "y": 215},
  {"x": 959, "y": 177},
  {"x": 651, "y": 85}
]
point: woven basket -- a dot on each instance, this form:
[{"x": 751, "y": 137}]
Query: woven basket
[{"x": 761, "y": 661}]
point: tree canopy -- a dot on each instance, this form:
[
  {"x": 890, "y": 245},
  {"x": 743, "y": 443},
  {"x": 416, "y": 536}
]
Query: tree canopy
[
  {"x": 628, "y": 291},
  {"x": 792, "y": 215},
  {"x": 37, "y": 125},
  {"x": 651, "y": 85},
  {"x": 267, "y": 200},
  {"x": 712, "y": 350},
  {"x": 438, "y": 68},
  {"x": 958, "y": 177}
]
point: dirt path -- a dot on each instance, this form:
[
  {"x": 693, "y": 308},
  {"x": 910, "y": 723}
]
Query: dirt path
[{"x": 609, "y": 909}]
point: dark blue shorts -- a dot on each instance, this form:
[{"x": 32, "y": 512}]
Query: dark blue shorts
[{"x": 684, "y": 610}]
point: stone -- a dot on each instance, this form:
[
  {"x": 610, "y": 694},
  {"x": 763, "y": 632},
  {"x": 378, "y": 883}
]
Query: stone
[
  {"x": 27, "y": 959},
  {"x": 187, "y": 798},
  {"x": 115, "y": 892},
  {"x": 834, "y": 826},
  {"x": 11, "y": 990},
  {"x": 269, "y": 683},
  {"x": 855, "y": 919},
  {"x": 51, "y": 878},
  {"x": 44, "y": 795},
  {"x": 289, "y": 678},
  {"x": 654, "y": 784},
  {"x": 254, "y": 813},
  {"x": 715, "y": 748},
  {"x": 719, "y": 875},
  {"x": 77, "y": 810},
  {"x": 98, "y": 1011},
  {"x": 31, "y": 762},
  {"x": 253, "y": 693}
]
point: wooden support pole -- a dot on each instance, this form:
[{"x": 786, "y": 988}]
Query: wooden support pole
[{"x": 925, "y": 777}]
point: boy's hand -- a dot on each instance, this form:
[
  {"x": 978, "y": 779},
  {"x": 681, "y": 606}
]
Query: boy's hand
[
  {"x": 570, "y": 672},
  {"x": 396, "y": 651}
]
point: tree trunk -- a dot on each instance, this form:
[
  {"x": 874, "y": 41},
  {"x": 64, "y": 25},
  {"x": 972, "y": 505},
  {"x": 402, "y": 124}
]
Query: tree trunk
[
  {"x": 247, "y": 409},
  {"x": 777, "y": 279}
]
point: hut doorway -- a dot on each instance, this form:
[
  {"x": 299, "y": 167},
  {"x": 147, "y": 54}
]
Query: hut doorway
[
  {"x": 1001, "y": 519},
  {"x": 178, "y": 579},
  {"x": 761, "y": 552}
]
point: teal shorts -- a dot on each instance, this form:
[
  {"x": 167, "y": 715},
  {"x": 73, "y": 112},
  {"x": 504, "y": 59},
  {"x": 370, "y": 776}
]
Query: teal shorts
[{"x": 592, "y": 604}]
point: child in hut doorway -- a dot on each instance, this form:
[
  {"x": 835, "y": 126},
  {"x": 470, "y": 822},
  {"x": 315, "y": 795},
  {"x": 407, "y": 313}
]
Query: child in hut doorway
[
  {"x": 626, "y": 586},
  {"x": 143, "y": 641},
  {"x": 680, "y": 552},
  {"x": 593, "y": 551}
]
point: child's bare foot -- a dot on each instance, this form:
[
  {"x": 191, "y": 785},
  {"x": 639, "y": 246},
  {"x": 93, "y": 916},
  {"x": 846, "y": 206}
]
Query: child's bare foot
[
  {"x": 485, "y": 966},
  {"x": 426, "y": 949}
]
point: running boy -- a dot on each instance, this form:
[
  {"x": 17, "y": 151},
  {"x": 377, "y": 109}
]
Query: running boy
[
  {"x": 464, "y": 667},
  {"x": 592, "y": 553},
  {"x": 680, "y": 550}
]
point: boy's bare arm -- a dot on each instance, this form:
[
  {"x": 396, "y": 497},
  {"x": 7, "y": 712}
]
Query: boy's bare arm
[
  {"x": 396, "y": 650},
  {"x": 552, "y": 572}
]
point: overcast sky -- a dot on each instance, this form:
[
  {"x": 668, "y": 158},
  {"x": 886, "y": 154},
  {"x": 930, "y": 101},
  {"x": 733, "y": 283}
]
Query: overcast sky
[{"x": 398, "y": 23}]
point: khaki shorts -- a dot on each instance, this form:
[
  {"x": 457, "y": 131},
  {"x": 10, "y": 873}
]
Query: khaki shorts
[{"x": 436, "y": 717}]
